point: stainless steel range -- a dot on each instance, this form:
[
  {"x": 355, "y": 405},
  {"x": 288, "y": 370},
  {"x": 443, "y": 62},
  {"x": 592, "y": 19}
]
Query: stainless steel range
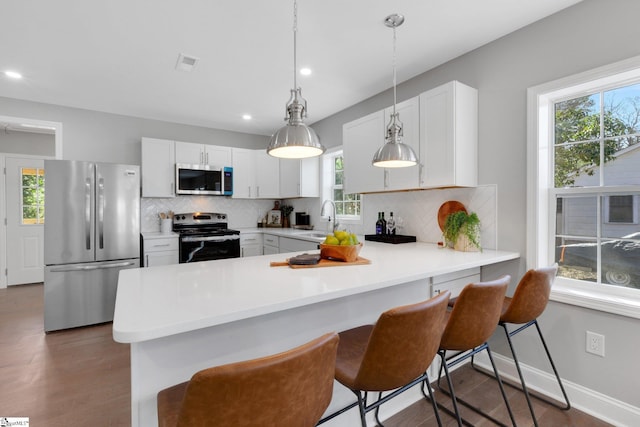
[{"x": 204, "y": 236}]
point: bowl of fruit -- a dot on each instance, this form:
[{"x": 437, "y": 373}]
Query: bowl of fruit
[{"x": 341, "y": 245}]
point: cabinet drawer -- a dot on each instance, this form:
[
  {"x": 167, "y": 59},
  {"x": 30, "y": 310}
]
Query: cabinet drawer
[
  {"x": 455, "y": 281},
  {"x": 250, "y": 239},
  {"x": 295, "y": 245},
  {"x": 271, "y": 240},
  {"x": 162, "y": 244}
]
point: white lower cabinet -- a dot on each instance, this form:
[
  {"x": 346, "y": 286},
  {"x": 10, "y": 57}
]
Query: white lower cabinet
[
  {"x": 271, "y": 244},
  {"x": 251, "y": 244},
  {"x": 295, "y": 245},
  {"x": 160, "y": 249},
  {"x": 455, "y": 281}
]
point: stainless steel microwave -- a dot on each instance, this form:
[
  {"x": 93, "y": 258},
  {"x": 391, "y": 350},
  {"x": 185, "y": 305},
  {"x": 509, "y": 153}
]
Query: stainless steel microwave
[{"x": 204, "y": 180}]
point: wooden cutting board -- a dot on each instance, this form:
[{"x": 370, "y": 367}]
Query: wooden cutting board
[
  {"x": 322, "y": 263},
  {"x": 448, "y": 208}
]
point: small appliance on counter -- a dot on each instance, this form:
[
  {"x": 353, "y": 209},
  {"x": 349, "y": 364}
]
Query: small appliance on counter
[
  {"x": 390, "y": 238},
  {"x": 303, "y": 221}
]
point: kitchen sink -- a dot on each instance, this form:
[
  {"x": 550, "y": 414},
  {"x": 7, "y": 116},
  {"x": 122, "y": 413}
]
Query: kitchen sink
[{"x": 316, "y": 234}]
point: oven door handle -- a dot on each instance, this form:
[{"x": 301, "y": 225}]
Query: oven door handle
[{"x": 210, "y": 238}]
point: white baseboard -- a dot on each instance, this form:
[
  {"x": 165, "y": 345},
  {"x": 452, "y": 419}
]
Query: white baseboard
[{"x": 586, "y": 400}]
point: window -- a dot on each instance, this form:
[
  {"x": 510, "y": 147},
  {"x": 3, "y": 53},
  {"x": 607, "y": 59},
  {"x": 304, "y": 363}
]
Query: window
[
  {"x": 584, "y": 186},
  {"x": 348, "y": 206},
  {"x": 32, "y": 201}
]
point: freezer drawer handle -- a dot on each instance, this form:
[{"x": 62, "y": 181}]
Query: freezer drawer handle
[{"x": 93, "y": 267}]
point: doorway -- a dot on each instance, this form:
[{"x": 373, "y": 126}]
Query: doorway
[{"x": 24, "y": 144}]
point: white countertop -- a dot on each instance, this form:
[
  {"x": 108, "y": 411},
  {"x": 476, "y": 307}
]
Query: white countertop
[{"x": 161, "y": 301}]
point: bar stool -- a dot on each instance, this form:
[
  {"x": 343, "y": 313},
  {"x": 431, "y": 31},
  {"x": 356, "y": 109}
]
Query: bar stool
[
  {"x": 392, "y": 355},
  {"x": 470, "y": 323},
  {"x": 527, "y": 304},
  {"x": 286, "y": 389}
]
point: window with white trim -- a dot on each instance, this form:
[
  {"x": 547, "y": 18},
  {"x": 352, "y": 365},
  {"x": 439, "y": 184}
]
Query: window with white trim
[
  {"x": 584, "y": 185},
  {"x": 348, "y": 205}
]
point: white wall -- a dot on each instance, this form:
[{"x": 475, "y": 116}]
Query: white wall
[
  {"x": 591, "y": 34},
  {"x": 96, "y": 136}
]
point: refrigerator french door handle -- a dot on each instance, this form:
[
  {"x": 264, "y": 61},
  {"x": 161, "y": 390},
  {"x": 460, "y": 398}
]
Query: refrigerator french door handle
[
  {"x": 92, "y": 266},
  {"x": 87, "y": 213},
  {"x": 101, "y": 212}
]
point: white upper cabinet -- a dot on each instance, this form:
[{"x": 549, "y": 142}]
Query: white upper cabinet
[
  {"x": 256, "y": 174},
  {"x": 267, "y": 175},
  {"x": 360, "y": 139},
  {"x": 300, "y": 177},
  {"x": 409, "y": 114},
  {"x": 158, "y": 168},
  {"x": 363, "y": 137},
  {"x": 449, "y": 136},
  {"x": 244, "y": 181},
  {"x": 202, "y": 154}
]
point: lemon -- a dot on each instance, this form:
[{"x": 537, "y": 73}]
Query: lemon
[
  {"x": 340, "y": 235},
  {"x": 331, "y": 240},
  {"x": 354, "y": 239}
]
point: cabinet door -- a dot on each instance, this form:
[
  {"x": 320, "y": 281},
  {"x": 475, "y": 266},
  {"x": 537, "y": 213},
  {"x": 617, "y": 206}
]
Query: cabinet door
[
  {"x": 158, "y": 168},
  {"x": 310, "y": 177},
  {"x": 161, "y": 258},
  {"x": 243, "y": 162},
  {"x": 216, "y": 155},
  {"x": 360, "y": 139},
  {"x": 289, "y": 178},
  {"x": 449, "y": 136},
  {"x": 250, "y": 250},
  {"x": 409, "y": 114},
  {"x": 267, "y": 170},
  {"x": 189, "y": 153}
]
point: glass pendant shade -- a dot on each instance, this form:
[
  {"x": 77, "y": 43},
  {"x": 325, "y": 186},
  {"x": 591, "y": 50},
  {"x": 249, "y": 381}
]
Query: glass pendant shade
[{"x": 295, "y": 140}]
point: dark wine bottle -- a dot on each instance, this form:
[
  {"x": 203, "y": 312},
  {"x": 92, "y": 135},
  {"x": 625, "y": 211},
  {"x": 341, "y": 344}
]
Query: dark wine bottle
[{"x": 379, "y": 224}]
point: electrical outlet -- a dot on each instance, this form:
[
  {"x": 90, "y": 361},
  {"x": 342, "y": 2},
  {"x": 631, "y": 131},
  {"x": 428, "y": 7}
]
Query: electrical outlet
[{"x": 595, "y": 344}]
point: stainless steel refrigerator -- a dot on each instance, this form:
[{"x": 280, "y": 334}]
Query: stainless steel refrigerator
[{"x": 91, "y": 232}]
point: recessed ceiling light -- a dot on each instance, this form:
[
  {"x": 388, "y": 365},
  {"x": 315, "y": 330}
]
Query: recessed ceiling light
[
  {"x": 13, "y": 74},
  {"x": 246, "y": 116},
  {"x": 305, "y": 71}
]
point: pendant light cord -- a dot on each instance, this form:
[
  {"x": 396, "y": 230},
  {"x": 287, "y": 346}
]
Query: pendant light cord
[
  {"x": 295, "y": 47},
  {"x": 394, "y": 71}
]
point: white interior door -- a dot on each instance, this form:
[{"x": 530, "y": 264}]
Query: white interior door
[{"x": 25, "y": 220}]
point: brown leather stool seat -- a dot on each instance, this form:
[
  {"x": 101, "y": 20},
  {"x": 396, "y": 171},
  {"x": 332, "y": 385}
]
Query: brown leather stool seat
[
  {"x": 470, "y": 323},
  {"x": 292, "y": 388},
  {"x": 527, "y": 304},
  {"x": 392, "y": 355}
]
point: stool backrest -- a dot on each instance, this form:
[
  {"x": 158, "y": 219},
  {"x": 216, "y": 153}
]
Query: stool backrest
[
  {"x": 531, "y": 296},
  {"x": 402, "y": 344},
  {"x": 292, "y": 388},
  {"x": 475, "y": 315}
]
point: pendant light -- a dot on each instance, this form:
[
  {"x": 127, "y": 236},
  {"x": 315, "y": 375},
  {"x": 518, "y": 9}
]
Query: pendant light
[
  {"x": 394, "y": 153},
  {"x": 295, "y": 140}
]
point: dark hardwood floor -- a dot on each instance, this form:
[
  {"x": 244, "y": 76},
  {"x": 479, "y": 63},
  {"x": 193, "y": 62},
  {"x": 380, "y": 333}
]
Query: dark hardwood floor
[{"x": 81, "y": 377}]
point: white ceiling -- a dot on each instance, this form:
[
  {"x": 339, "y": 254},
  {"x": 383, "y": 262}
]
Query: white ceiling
[{"x": 119, "y": 56}]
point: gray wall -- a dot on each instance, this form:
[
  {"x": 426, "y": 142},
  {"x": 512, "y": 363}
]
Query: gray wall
[
  {"x": 591, "y": 34},
  {"x": 92, "y": 135}
]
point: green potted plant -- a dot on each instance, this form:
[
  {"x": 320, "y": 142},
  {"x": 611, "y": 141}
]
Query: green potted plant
[
  {"x": 462, "y": 231},
  {"x": 286, "y": 211}
]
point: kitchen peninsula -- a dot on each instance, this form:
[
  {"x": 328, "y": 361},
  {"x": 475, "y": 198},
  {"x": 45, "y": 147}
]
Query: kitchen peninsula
[{"x": 186, "y": 317}]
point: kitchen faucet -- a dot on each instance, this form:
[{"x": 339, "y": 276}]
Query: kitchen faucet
[{"x": 335, "y": 222}]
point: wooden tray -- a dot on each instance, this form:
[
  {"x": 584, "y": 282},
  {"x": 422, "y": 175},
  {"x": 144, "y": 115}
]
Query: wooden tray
[
  {"x": 448, "y": 208},
  {"x": 322, "y": 263}
]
